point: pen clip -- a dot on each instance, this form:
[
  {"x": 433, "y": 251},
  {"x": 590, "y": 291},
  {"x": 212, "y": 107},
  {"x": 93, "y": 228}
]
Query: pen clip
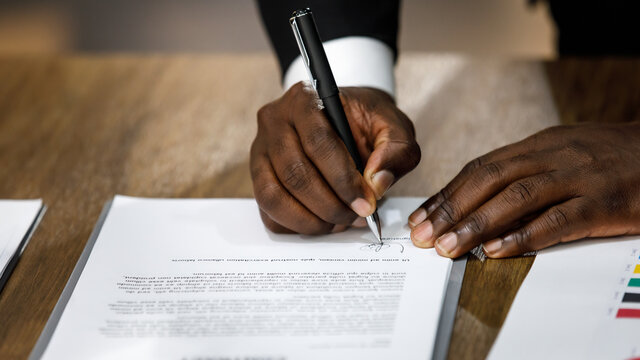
[{"x": 303, "y": 51}]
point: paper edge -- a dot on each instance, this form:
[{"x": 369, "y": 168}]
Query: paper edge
[
  {"x": 15, "y": 258},
  {"x": 449, "y": 309},
  {"x": 58, "y": 310},
  {"x": 443, "y": 332},
  {"x": 506, "y": 318}
]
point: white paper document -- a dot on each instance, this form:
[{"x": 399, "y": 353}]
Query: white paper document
[
  {"x": 203, "y": 279},
  {"x": 579, "y": 301},
  {"x": 16, "y": 217}
]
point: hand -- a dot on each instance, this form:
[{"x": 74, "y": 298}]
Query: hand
[
  {"x": 303, "y": 177},
  {"x": 562, "y": 184}
]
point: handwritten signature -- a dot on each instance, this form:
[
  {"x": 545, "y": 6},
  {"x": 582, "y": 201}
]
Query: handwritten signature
[{"x": 377, "y": 247}]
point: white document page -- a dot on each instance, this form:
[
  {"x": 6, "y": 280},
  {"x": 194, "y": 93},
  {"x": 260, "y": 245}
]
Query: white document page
[
  {"x": 16, "y": 216},
  {"x": 203, "y": 279},
  {"x": 579, "y": 301}
]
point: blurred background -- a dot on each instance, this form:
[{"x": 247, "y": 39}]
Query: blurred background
[{"x": 488, "y": 27}]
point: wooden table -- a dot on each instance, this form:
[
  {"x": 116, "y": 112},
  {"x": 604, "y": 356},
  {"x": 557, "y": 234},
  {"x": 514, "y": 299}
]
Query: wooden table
[{"x": 77, "y": 130}]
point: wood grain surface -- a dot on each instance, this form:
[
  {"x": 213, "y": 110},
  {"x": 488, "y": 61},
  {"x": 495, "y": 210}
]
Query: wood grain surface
[{"x": 77, "y": 130}]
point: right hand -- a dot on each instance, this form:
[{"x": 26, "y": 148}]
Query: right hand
[{"x": 303, "y": 177}]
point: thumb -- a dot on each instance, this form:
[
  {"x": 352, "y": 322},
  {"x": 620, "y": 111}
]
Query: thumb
[{"x": 390, "y": 160}]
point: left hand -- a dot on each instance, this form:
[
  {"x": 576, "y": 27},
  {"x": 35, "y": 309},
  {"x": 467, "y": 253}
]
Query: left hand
[{"x": 562, "y": 184}]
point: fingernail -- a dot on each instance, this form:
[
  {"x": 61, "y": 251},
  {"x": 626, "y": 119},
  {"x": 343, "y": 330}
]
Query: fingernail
[
  {"x": 359, "y": 222},
  {"x": 417, "y": 217},
  {"x": 422, "y": 234},
  {"x": 382, "y": 181},
  {"x": 447, "y": 242},
  {"x": 361, "y": 207},
  {"x": 492, "y": 246}
]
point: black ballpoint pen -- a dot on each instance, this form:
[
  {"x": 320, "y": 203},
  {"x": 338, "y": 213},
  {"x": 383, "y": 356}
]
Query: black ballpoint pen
[{"x": 321, "y": 77}]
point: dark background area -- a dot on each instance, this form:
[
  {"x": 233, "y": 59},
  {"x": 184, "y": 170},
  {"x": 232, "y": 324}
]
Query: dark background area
[{"x": 488, "y": 27}]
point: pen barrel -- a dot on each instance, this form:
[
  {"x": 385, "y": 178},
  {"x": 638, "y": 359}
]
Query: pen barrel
[
  {"x": 311, "y": 47},
  {"x": 338, "y": 119},
  {"x": 318, "y": 62}
]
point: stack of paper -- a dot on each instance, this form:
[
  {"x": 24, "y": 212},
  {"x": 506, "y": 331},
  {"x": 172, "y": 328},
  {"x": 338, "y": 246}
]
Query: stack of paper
[
  {"x": 203, "y": 279},
  {"x": 17, "y": 221},
  {"x": 579, "y": 301}
]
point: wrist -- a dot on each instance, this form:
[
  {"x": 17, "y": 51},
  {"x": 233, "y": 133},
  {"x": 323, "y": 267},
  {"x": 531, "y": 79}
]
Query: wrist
[{"x": 355, "y": 61}]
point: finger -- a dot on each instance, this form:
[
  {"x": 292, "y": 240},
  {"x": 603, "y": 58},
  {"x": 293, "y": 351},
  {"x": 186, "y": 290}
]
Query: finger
[
  {"x": 480, "y": 186},
  {"x": 395, "y": 153},
  {"x": 330, "y": 156},
  {"x": 506, "y": 152},
  {"x": 274, "y": 200},
  {"x": 360, "y": 222},
  {"x": 571, "y": 220},
  {"x": 426, "y": 208},
  {"x": 339, "y": 228},
  {"x": 272, "y": 225},
  {"x": 303, "y": 181},
  {"x": 279, "y": 229},
  {"x": 502, "y": 212}
]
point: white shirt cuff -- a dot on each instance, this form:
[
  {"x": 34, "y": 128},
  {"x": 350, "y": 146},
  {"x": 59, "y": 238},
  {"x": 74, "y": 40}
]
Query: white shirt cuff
[{"x": 355, "y": 61}]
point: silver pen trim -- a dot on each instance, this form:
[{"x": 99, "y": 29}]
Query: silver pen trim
[
  {"x": 373, "y": 221},
  {"x": 303, "y": 50}
]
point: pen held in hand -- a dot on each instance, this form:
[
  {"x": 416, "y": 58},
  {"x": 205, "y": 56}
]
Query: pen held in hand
[{"x": 322, "y": 80}]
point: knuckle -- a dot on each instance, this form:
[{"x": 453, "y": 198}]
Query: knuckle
[
  {"x": 522, "y": 240},
  {"x": 295, "y": 90},
  {"x": 473, "y": 165},
  {"x": 296, "y": 176},
  {"x": 435, "y": 200},
  {"x": 556, "y": 220},
  {"x": 412, "y": 155},
  {"x": 527, "y": 190},
  {"x": 520, "y": 158},
  {"x": 485, "y": 175},
  {"x": 351, "y": 179},
  {"x": 320, "y": 141},
  {"x": 521, "y": 191},
  {"x": 490, "y": 172},
  {"x": 298, "y": 87},
  {"x": 476, "y": 223},
  {"x": 346, "y": 182},
  {"x": 264, "y": 115},
  {"x": 445, "y": 193},
  {"x": 278, "y": 147},
  {"x": 269, "y": 196},
  {"x": 449, "y": 212},
  {"x": 546, "y": 178},
  {"x": 303, "y": 94}
]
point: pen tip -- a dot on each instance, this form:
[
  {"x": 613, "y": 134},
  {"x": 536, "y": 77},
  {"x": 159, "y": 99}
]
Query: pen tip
[{"x": 373, "y": 221}]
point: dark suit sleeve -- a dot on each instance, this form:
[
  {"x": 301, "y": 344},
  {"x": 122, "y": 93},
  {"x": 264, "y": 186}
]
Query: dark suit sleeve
[{"x": 335, "y": 19}]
